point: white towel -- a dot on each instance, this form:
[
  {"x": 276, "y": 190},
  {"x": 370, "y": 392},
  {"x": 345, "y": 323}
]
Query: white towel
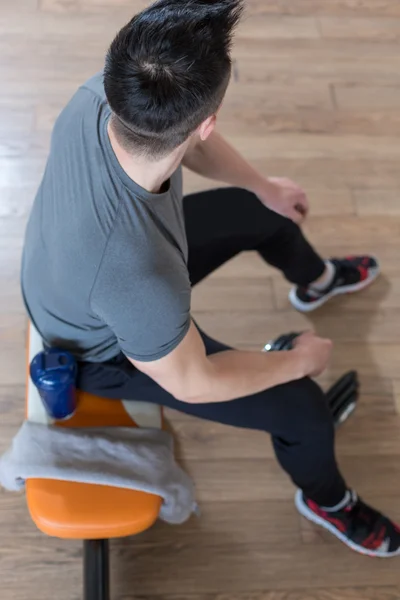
[{"x": 126, "y": 457}]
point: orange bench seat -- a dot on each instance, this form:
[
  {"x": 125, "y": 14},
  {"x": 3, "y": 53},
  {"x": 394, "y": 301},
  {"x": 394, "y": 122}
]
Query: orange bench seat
[{"x": 66, "y": 509}]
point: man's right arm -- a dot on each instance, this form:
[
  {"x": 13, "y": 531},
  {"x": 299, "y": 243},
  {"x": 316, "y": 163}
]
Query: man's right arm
[{"x": 192, "y": 376}]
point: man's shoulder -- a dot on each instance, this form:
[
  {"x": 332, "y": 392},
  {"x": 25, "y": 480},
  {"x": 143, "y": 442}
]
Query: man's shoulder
[
  {"x": 95, "y": 85},
  {"x": 85, "y": 105}
]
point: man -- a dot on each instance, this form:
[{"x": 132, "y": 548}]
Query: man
[{"x": 111, "y": 252}]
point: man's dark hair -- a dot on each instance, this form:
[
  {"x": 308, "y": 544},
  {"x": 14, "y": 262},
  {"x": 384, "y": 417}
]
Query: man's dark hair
[{"x": 167, "y": 70}]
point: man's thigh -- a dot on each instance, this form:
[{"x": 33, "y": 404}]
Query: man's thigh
[
  {"x": 222, "y": 223},
  {"x": 118, "y": 378},
  {"x": 279, "y": 410},
  {"x": 227, "y": 213}
]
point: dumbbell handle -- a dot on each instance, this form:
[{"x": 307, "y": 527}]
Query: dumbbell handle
[
  {"x": 341, "y": 397},
  {"x": 283, "y": 342}
]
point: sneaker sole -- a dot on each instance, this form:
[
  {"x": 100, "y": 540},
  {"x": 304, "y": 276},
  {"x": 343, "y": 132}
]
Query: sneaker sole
[
  {"x": 346, "y": 289},
  {"x": 311, "y": 516}
]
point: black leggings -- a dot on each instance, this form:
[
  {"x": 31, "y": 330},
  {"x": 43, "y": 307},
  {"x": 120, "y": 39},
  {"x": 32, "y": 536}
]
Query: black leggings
[{"x": 221, "y": 224}]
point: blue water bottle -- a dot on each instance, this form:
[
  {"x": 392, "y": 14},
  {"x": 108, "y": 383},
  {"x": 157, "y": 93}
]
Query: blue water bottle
[{"x": 54, "y": 373}]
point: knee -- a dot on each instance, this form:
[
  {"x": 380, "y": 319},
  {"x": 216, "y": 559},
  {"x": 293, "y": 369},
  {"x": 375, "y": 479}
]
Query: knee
[
  {"x": 288, "y": 235},
  {"x": 303, "y": 411}
]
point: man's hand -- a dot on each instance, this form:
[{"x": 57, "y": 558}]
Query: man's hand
[
  {"x": 315, "y": 353},
  {"x": 284, "y": 197}
]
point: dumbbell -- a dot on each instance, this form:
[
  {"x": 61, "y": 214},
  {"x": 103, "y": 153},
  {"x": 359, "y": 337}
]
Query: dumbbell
[{"x": 342, "y": 396}]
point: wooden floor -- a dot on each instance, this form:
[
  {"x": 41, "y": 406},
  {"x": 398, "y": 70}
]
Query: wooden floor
[{"x": 315, "y": 96}]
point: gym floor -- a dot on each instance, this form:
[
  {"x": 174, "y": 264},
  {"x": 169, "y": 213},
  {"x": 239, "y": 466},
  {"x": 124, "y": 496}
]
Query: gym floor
[{"x": 315, "y": 96}]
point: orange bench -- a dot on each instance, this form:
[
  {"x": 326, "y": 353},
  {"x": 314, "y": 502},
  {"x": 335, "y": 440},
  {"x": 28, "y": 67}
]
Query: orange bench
[{"x": 93, "y": 513}]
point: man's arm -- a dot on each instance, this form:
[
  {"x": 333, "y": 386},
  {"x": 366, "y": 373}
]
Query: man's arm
[
  {"x": 192, "y": 376},
  {"x": 216, "y": 159}
]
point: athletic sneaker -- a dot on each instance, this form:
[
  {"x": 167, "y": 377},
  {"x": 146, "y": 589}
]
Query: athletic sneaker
[
  {"x": 352, "y": 274},
  {"x": 357, "y": 525}
]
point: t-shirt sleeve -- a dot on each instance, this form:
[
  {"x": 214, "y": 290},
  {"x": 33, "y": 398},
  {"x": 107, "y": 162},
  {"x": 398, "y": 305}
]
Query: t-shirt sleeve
[{"x": 144, "y": 297}]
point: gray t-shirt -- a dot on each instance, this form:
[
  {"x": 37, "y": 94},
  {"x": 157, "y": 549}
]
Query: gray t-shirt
[{"x": 105, "y": 262}]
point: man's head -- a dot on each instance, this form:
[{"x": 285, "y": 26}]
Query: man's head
[{"x": 167, "y": 71}]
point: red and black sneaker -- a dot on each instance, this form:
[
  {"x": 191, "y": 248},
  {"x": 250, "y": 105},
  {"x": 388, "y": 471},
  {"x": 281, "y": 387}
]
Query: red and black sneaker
[
  {"x": 357, "y": 525},
  {"x": 352, "y": 274}
]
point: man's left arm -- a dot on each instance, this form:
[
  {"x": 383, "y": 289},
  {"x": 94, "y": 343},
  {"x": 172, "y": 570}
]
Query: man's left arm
[{"x": 216, "y": 159}]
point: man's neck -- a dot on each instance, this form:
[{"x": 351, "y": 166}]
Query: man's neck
[{"x": 148, "y": 174}]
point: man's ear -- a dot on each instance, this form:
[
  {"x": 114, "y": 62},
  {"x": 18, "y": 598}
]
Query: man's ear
[{"x": 207, "y": 127}]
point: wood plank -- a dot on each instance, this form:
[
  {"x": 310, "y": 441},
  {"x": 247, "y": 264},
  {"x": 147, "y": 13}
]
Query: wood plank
[
  {"x": 197, "y": 439},
  {"x": 95, "y": 48},
  {"x": 12, "y": 366},
  {"x": 279, "y": 97},
  {"x": 49, "y": 564},
  {"x": 49, "y": 83},
  {"x": 361, "y": 436},
  {"x": 83, "y": 7},
  {"x": 237, "y": 521},
  {"x": 12, "y": 227},
  {"x": 243, "y": 568},
  {"x": 16, "y": 201},
  {"x": 93, "y": 26},
  {"x": 371, "y": 8},
  {"x": 11, "y": 297},
  {"x": 234, "y": 294},
  {"x": 15, "y": 118},
  {"x": 377, "y": 202},
  {"x": 248, "y": 264},
  {"x": 193, "y": 183},
  {"x": 259, "y": 120},
  {"x": 396, "y": 389},
  {"x": 329, "y": 202},
  {"x": 133, "y": 5},
  {"x": 354, "y": 69},
  {"x": 27, "y": 6},
  {"x": 375, "y": 360},
  {"x": 326, "y": 50},
  {"x": 357, "y": 593},
  {"x": 258, "y": 479},
  {"x": 333, "y": 172},
  {"x": 292, "y": 146},
  {"x": 20, "y": 171},
  {"x": 353, "y": 96},
  {"x": 15, "y": 146},
  {"x": 12, "y": 411},
  {"x": 377, "y": 29},
  {"x": 339, "y": 230},
  {"x": 240, "y": 480},
  {"x": 344, "y": 326},
  {"x": 60, "y": 6},
  {"x": 277, "y": 27},
  {"x": 12, "y": 400}
]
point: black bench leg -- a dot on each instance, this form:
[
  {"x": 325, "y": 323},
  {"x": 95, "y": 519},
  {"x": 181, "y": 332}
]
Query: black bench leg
[{"x": 96, "y": 577}]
